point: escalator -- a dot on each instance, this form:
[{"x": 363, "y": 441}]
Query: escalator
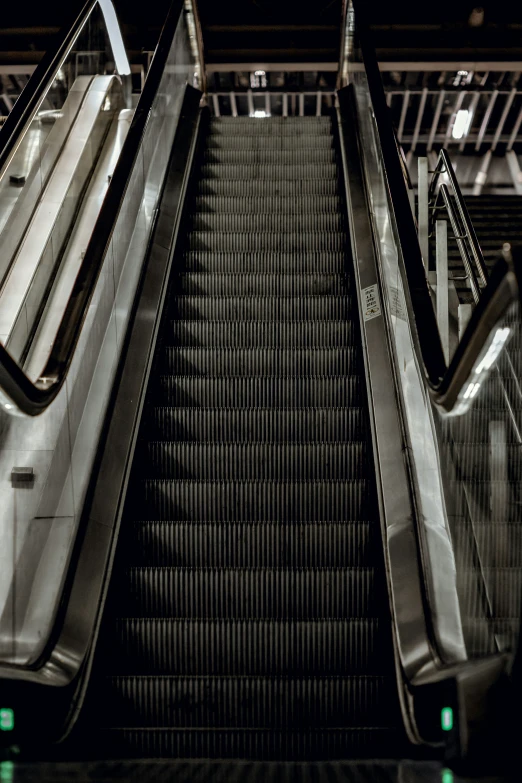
[
  {"x": 249, "y": 615},
  {"x": 238, "y": 518}
]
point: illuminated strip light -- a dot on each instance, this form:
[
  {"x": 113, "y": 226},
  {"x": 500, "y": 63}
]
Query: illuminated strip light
[
  {"x": 113, "y": 28},
  {"x": 481, "y": 370},
  {"x": 462, "y": 124}
]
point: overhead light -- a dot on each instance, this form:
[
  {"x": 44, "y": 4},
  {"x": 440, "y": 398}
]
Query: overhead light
[
  {"x": 260, "y": 113},
  {"x": 461, "y": 124},
  {"x": 258, "y": 79},
  {"x": 476, "y": 17},
  {"x": 462, "y": 77}
]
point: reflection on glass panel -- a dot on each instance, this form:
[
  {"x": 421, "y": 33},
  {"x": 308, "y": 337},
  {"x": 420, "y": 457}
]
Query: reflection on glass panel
[
  {"x": 482, "y": 452},
  {"x": 39, "y": 517},
  {"x": 468, "y": 466},
  {"x": 26, "y": 176}
]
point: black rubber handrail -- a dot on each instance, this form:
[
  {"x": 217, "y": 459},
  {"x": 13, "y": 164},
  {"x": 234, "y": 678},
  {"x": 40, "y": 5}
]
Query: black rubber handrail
[
  {"x": 505, "y": 283},
  {"x": 424, "y": 324},
  {"x": 20, "y": 394}
]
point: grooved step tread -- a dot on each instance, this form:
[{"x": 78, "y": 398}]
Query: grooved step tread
[
  {"x": 302, "y": 262},
  {"x": 268, "y": 205},
  {"x": 259, "y": 392},
  {"x": 210, "y": 186},
  {"x": 262, "y": 334},
  {"x": 248, "y": 702},
  {"x": 243, "y": 593},
  {"x": 254, "y": 500},
  {"x": 294, "y": 425},
  {"x": 259, "y": 461},
  {"x": 277, "y": 241},
  {"x": 303, "y": 744},
  {"x": 302, "y": 141},
  {"x": 242, "y": 222},
  {"x": 224, "y": 647},
  {"x": 241, "y": 362},
  {"x": 262, "y": 308},
  {"x": 246, "y": 285},
  {"x": 253, "y": 544},
  {"x": 256, "y": 157},
  {"x": 270, "y": 171}
]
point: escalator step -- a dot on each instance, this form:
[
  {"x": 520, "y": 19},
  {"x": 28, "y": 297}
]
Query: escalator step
[
  {"x": 249, "y": 702},
  {"x": 269, "y": 205},
  {"x": 242, "y": 362},
  {"x": 271, "y": 157},
  {"x": 293, "y": 129},
  {"x": 243, "y": 593},
  {"x": 256, "y": 285},
  {"x": 253, "y": 500},
  {"x": 249, "y": 141},
  {"x": 264, "y": 263},
  {"x": 284, "y": 242},
  {"x": 262, "y": 461},
  {"x": 259, "y": 425},
  {"x": 259, "y": 334},
  {"x": 267, "y": 187},
  {"x": 281, "y": 392},
  {"x": 248, "y": 615},
  {"x": 270, "y": 171},
  {"x": 262, "y": 308},
  {"x": 300, "y": 744},
  {"x": 253, "y": 544},
  {"x": 324, "y": 648},
  {"x": 242, "y": 222}
]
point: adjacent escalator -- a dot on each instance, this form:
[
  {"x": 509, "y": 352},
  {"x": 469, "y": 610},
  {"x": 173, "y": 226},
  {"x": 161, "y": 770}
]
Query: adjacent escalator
[{"x": 248, "y": 615}]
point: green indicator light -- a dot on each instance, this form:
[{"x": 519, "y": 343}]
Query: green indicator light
[
  {"x": 6, "y": 719},
  {"x": 446, "y": 718},
  {"x": 6, "y": 771},
  {"x": 447, "y": 776}
]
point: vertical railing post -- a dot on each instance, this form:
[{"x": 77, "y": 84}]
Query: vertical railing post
[
  {"x": 465, "y": 311},
  {"x": 423, "y": 210},
  {"x": 514, "y": 170},
  {"x": 480, "y": 179},
  {"x": 441, "y": 256}
]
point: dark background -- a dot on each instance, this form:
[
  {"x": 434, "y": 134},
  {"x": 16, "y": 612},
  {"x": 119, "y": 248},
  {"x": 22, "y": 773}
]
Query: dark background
[{"x": 285, "y": 30}]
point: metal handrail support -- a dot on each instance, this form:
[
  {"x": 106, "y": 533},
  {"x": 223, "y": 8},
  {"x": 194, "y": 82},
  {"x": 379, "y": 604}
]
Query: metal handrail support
[
  {"x": 423, "y": 210},
  {"x": 459, "y": 233},
  {"x": 441, "y": 252},
  {"x": 444, "y": 165}
]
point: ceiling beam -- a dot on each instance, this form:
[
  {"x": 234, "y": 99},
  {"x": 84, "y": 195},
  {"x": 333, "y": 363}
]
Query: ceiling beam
[{"x": 515, "y": 65}]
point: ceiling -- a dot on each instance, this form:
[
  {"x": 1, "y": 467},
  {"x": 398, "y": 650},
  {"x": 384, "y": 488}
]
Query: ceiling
[{"x": 287, "y": 30}]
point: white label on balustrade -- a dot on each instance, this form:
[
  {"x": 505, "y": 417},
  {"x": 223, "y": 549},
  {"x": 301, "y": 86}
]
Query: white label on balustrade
[{"x": 370, "y": 302}]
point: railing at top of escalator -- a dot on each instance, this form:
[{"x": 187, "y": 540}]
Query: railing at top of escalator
[{"x": 460, "y": 221}]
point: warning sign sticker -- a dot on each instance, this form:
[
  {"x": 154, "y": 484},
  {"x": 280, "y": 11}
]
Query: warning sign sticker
[{"x": 371, "y": 303}]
